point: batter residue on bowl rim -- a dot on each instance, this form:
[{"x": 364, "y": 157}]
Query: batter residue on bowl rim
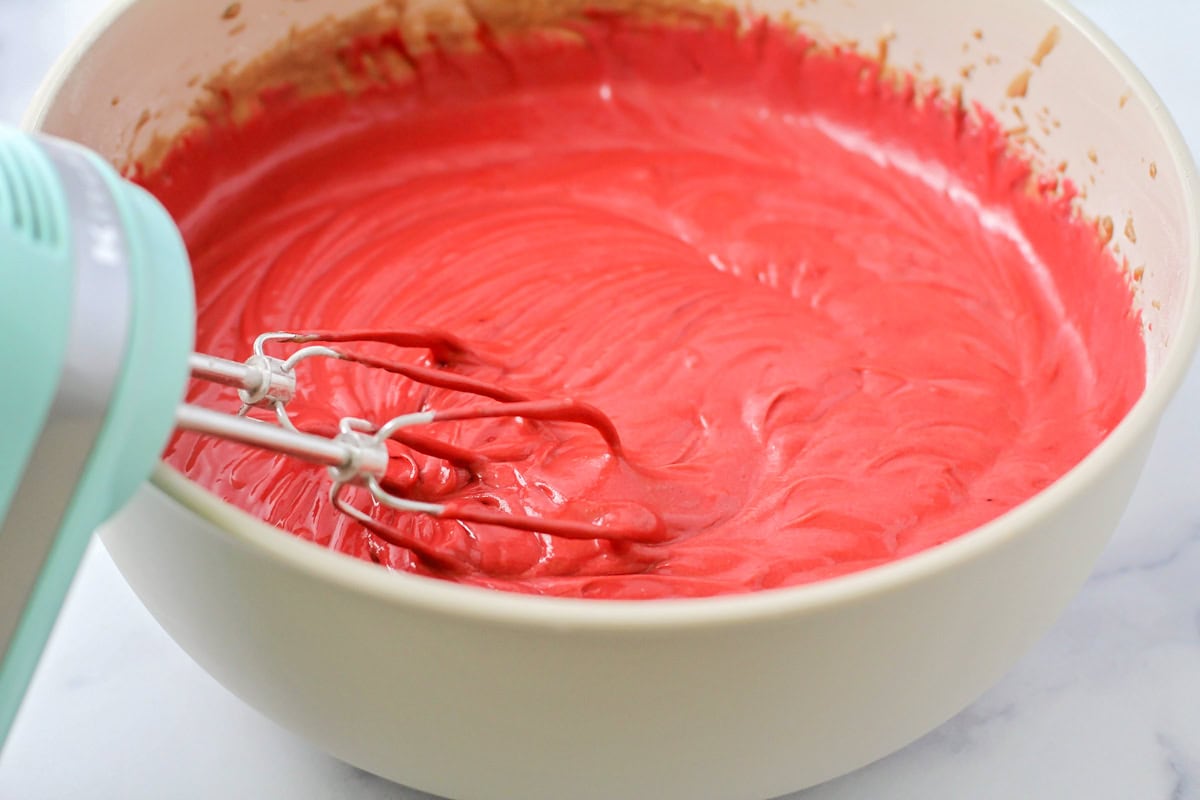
[{"x": 834, "y": 319}]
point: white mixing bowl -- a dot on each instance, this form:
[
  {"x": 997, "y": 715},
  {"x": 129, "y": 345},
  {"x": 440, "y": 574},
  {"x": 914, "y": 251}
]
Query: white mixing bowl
[{"x": 475, "y": 694}]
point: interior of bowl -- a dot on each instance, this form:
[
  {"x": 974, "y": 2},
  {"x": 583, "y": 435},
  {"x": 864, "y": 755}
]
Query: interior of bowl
[{"x": 1024, "y": 62}]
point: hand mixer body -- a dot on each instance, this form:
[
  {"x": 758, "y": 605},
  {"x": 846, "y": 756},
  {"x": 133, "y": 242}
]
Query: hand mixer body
[{"x": 97, "y": 317}]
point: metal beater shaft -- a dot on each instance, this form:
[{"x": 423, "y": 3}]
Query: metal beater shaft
[{"x": 306, "y": 446}]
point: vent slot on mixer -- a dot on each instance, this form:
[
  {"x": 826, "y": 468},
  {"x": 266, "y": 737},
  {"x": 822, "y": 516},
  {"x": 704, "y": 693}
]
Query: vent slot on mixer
[{"x": 27, "y": 205}]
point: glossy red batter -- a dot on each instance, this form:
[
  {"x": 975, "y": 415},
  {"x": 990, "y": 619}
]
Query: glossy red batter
[{"x": 831, "y": 320}]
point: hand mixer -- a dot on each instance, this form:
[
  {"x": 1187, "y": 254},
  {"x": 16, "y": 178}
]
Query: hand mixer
[{"x": 97, "y": 315}]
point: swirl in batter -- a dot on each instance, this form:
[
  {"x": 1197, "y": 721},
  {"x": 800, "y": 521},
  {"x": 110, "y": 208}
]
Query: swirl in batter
[{"x": 834, "y": 319}]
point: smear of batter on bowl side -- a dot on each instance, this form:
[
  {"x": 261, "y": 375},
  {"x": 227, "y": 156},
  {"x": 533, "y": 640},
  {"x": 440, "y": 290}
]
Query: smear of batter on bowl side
[{"x": 835, "y": 318}]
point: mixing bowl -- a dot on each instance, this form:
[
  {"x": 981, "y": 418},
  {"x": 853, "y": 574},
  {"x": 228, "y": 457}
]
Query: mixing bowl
[{"x": 469, "y": 693}]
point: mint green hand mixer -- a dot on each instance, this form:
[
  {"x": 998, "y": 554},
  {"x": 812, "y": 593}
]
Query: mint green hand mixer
[{"x": 96, "y": 333}]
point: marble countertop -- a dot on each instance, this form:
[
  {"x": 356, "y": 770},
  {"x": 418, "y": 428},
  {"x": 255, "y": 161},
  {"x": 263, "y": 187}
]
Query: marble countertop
[{"x": 1105, "y": 707}]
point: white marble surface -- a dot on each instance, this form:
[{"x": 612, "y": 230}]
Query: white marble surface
[{"x": 1106, "y": 707}]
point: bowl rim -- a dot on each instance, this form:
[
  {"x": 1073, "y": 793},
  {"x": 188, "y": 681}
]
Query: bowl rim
[{"x": 514, "y": 609}]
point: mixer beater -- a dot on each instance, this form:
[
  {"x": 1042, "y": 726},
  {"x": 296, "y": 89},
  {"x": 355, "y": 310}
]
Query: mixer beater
[{"x": 357, "y": 455}]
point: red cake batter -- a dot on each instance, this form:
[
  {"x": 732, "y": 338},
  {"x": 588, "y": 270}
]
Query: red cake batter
[{"x": 834, "y": 320}]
